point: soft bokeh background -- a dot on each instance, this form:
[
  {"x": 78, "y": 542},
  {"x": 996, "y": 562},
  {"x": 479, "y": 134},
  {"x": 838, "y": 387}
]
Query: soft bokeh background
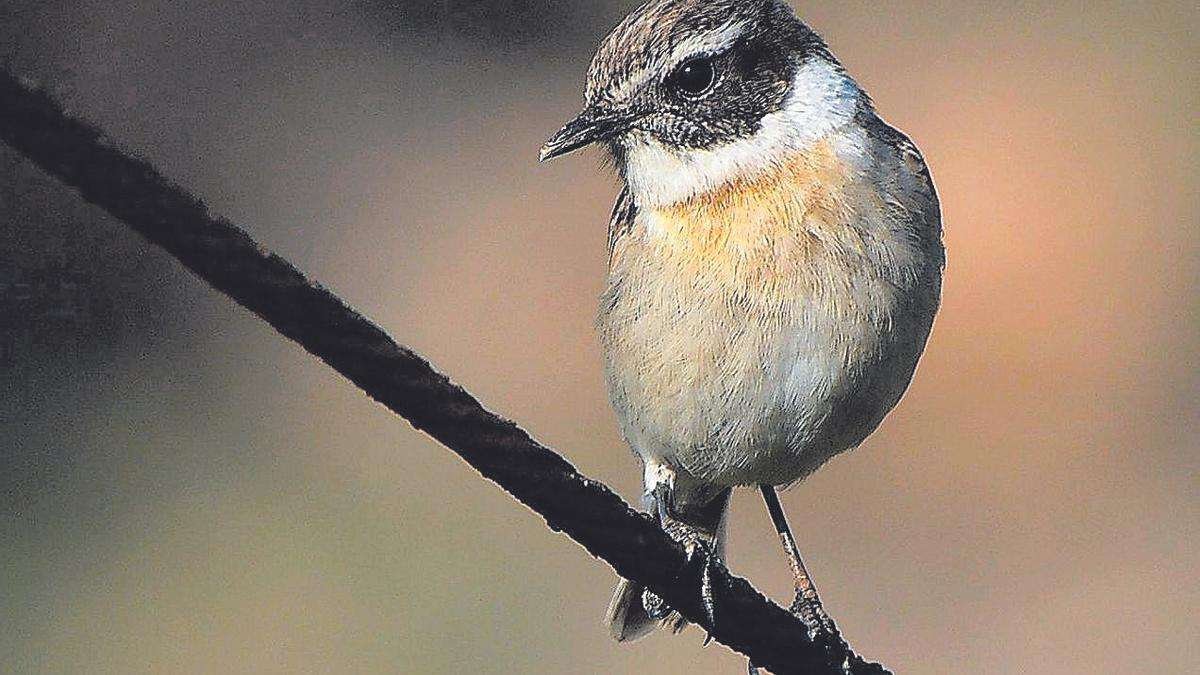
[{"x": 183, "y": 491}]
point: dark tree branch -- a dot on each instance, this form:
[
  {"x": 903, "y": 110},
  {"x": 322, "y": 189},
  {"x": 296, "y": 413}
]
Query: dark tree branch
[{"x": 233, "y": 263}]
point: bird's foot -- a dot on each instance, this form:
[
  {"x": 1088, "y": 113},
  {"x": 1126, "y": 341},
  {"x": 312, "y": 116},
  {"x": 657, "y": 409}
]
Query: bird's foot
[
  {"x": 698, "y": 553},
  {"x": 809, "y": 610},
  {"x": 656, "y": 608}
]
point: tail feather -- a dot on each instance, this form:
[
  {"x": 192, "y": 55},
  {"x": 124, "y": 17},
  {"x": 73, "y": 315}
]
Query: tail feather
[{"x": 627, "y": 618}]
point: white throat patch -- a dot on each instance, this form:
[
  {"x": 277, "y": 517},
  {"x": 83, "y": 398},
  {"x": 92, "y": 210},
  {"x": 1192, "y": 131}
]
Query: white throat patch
[{"x": 823, "y": 98}]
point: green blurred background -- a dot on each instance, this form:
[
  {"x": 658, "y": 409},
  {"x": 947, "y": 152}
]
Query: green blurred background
[{"x": 181, "y": 491}]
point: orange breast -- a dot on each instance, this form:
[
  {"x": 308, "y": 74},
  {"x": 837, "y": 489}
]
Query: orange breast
[{"x": 776, "y": 229}]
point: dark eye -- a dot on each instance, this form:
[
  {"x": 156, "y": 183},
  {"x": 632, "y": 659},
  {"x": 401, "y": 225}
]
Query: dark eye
[{"x": 693, "y": 78}]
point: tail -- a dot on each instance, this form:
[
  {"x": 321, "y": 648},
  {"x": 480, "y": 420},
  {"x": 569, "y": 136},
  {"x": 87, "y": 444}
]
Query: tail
[{"x": 627, "y": 617}]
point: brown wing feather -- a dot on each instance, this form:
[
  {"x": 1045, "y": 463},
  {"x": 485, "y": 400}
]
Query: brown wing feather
[{"x": 926, "y": 213}]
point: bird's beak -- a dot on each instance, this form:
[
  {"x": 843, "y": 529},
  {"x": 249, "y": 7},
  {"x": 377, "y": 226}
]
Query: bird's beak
[{"x": 593, "y": 125}]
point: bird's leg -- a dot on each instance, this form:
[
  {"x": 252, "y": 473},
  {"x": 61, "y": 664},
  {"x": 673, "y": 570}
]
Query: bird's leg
[
  {"x": 656, "y": 499},
  {"x": 698, "y": 539},
  {"x": 807, "y": 605},
  {"x": 699, "y": 544}
]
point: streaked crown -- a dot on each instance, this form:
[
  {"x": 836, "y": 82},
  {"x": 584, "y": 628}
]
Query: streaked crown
[{"x": 702, "y": 70}]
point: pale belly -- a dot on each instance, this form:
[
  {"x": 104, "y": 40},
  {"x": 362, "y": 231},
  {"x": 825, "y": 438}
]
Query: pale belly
[{"x": 738, "y": 382}]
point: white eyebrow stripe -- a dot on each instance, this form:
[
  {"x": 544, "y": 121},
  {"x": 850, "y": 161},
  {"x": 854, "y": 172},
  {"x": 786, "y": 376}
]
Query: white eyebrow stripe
[{"x": 713, "y": 42}]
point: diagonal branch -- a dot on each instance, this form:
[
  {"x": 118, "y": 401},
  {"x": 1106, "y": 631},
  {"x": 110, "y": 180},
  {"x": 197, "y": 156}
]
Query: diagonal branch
[{"x": 227, "y": 258}]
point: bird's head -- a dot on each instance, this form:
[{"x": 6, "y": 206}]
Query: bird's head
[{"x": 690, "y": 94}]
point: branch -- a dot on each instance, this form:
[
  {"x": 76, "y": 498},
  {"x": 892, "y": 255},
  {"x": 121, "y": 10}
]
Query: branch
[{"x": 233, "y": 263}]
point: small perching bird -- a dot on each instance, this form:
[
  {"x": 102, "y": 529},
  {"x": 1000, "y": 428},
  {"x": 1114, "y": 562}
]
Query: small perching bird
[{"x": 775, "y": 264}]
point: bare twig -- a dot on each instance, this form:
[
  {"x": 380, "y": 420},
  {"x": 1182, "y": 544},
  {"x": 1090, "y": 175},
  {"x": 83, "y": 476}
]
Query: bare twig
[{"x": 233, "y": 263}]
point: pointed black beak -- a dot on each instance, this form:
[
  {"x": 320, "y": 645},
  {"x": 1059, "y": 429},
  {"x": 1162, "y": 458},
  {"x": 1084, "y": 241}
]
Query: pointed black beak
[{"x": 593, "y": 125}]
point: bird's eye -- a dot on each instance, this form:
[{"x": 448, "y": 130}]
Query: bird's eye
[{"x": 693, "y": 78}]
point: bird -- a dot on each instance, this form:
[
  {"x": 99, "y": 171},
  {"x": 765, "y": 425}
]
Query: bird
[{"x": 775, "y": 264}]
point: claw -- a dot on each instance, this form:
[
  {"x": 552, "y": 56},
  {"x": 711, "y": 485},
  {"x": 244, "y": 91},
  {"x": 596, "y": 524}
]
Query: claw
[
  {"x": 701, "y": 550},
  {"x": 815, "y": 619},
  {"x": 706, "y": 592},
  {"x": 655, "y": 607}
]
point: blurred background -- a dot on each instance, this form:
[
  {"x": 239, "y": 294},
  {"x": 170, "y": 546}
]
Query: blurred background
[{"x": 181, "y": 490}]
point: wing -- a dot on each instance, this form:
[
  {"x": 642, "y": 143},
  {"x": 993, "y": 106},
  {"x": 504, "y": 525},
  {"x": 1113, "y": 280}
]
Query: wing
[
  {"x": 621, "y": 221},
  {"x": 907, "y": 180}
]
